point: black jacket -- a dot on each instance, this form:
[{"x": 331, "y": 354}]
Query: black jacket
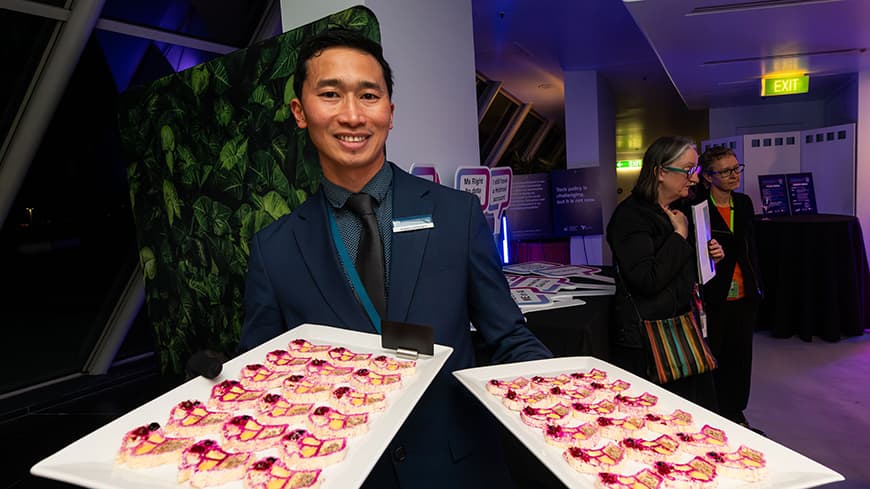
[
  {"x": 656, "y": 265},
  {"x": 739, "y": 247}
]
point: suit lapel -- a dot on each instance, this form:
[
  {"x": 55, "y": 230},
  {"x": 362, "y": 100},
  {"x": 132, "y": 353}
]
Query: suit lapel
[
  {"x": 410, "y": 198},
  {"x": 318, "y": 251}
]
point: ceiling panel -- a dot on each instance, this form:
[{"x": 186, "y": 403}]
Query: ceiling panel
[{"x": 717, "y": 51}]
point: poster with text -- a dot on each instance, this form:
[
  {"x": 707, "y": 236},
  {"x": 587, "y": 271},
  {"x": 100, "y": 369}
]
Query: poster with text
[
  {"x": 530, "y": 212},
  {"x": 576, "y": 202},
  {"x": 774, "y": 197},
  {"x": 474, "y": 180},
  {"x": 801, "y": 194}
]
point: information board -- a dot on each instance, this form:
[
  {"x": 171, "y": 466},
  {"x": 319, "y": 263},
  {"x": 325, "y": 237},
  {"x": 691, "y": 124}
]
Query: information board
[
  {"x": 801, "y": 194},
  {"x": 774, "y": 195},
  {"x": 576, "y": 202}
]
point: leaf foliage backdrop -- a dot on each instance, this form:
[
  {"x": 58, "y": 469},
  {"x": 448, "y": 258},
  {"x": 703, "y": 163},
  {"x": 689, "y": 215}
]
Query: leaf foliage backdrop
[{"x": 215, "y": 155}]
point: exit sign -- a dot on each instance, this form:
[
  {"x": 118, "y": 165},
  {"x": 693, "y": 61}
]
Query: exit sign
[
  {"x": 629, "y": 164},
  {"x": 785, "y": 85}
]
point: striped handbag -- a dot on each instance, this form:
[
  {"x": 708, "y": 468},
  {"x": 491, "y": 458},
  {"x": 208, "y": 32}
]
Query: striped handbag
[{"x": 676, "y": 348}]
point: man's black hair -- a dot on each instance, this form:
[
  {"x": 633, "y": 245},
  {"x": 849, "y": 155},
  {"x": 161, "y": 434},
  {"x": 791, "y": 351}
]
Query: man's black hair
[{"x": 315, "y": 45}]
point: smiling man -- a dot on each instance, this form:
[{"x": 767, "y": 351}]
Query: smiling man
[{"x": 338, "y": 260}]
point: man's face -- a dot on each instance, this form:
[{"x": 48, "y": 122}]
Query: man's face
[{"x": 346, "y": 108}]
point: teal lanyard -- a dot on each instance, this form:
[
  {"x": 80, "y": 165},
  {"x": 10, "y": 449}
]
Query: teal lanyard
[
  {"x": 730, "y": 204},
  {"x": 350, "y": 269}
]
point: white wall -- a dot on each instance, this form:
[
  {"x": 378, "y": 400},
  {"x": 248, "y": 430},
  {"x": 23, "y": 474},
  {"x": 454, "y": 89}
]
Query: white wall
[
  {"x": 862, "y": 136},
  {"x": 766, "y": 118},
  {"x": 829, "y": 154},
  {"x": 590, "y": 138},
  {"x": 430, "y": 47},
  {"x": 774, "y": 153}
]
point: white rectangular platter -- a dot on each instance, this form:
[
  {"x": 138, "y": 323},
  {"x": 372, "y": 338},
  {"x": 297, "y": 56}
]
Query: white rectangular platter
[
  {"x": 787, "y": 469},
  {"x": 89, "y": 462}
]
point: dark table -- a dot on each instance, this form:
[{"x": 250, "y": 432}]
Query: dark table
[
  {"x": 575, "y": 330},
  {"x": 815, "y": 274}
]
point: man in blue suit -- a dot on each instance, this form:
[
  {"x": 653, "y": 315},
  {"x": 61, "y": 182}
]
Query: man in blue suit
[{"x": 446, "y": 277}]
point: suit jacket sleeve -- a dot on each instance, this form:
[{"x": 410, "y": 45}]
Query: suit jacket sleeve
[
  {"x": 263, "y": 318},
  {"x": 492, "y": 309}
]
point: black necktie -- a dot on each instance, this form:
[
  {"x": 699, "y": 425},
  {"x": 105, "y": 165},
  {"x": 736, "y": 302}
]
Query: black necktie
[{"x": 370, "y": 254}]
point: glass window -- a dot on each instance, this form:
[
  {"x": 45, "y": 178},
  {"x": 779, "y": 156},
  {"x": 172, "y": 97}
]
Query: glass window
[
  {"x": 551, "y": 152},
  {"x": 23, "y": 39},
  {"x": 522, "y": 140},
  {"x": 231, "y": 23},
  {"x": 494, "y": 122},
  {"x": 67, "y": 246}
]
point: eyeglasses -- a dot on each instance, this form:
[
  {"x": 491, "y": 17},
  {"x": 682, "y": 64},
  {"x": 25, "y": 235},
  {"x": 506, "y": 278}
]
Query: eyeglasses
[
  {"x": 737, "y": 170},
  {"x": 688, "y": 172}
]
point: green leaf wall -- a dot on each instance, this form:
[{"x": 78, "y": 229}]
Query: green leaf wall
[{"x": 214, "y": 155}]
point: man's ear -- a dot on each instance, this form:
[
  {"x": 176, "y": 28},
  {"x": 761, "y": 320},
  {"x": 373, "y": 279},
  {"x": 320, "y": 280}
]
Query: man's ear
[{"x": 298, "y": 113}]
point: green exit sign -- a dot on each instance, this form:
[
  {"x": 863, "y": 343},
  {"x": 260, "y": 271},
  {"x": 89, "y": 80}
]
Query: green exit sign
[
  {"x": 629, "y": 164},
  {"x": 785, "y": 85}
]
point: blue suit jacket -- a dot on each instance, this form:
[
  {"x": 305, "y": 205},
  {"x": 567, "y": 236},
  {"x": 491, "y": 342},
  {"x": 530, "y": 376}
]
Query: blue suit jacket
[{"x": 445, "y": 277}]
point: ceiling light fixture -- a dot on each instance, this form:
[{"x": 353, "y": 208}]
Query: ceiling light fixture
[
  {"x": 759, "y": 4},
  {"x": 829, "y": 52}
]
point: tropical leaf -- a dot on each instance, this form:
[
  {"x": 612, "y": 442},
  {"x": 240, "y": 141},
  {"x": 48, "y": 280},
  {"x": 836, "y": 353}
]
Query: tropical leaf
[
  {"x": 279, "y": 146},
  {"x": 262, "y": 96},
  {"x": 199, "y": 78},
  {"x": 220, "y": 218},
  {"x": 275, "y": 205},
  {"x": 223, "y": 112},
  {"x": 261, "y": 118},
  {"x": 133, "y": 183},
  {"x": 234, "y": 153},
  {"x": 201, "y": 211},
  {"x": 301, "y": 196},
  {"x": 221, "y": 76},
  {"x": 278, "y": 181},
  {"x": 189, "y": 167},
  {"x": 282, "y": 114},
  {"x": 149, "y": 263},
  {"x": 288, "y": 49},
  {"x": 170, "y": 198},
  {"x": 204, "y": 174},
  {"x": 244, "y": 217},
  {"x": 229, "y": 183},
  {"x": 262, "y": 219},
  {"x": 169, "y": 157},
  {"x": 167, "y": 138}
]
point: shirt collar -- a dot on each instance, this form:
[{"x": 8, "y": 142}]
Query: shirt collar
[{"x": 377, "y": 187}]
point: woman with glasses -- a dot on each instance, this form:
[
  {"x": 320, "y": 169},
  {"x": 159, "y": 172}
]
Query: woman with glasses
[
  {"x": 733, "y": 295},
  {"x": 655, "y": 259}
]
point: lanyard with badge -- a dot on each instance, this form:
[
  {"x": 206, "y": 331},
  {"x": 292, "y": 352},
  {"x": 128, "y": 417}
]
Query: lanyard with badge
[{"x": 734, "y": 289}]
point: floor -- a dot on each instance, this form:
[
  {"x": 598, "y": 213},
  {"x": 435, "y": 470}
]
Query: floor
[{"x": 811, "y": 397}]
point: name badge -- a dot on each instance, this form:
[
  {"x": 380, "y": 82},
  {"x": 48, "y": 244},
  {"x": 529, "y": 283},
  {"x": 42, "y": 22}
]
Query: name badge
[{"x": 414, "y": 223}]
